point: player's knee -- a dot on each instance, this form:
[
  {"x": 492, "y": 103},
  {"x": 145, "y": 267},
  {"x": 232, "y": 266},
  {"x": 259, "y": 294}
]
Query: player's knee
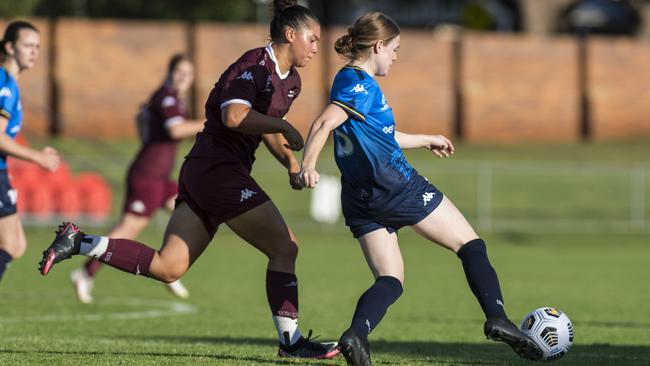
[
  {"x": 288, "y": 251},
  {"x": 169, "y": 273},
  {"x": 17, "y": 248}
]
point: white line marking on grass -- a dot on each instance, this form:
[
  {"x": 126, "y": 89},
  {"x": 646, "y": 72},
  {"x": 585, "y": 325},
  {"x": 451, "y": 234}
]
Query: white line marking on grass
[{"x": 155, "y": 309}]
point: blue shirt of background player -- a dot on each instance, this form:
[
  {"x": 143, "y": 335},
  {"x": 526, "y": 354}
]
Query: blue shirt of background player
[
  {"x": 372, "y": 164},
  {"x": 10, "y": 108}
]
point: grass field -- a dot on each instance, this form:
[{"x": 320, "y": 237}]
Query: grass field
[{"x": 599, "y": 279}]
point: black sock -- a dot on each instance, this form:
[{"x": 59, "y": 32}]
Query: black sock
[
  {"x": 5, "y": 258},
  {"x": 482, "y": 278},
  {"x": 372, "y": 305}
]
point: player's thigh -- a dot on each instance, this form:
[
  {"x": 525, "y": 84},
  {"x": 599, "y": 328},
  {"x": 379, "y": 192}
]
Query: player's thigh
[
  {"x": 130, "y": 226},
  {"x": 12, "y": 236},
  {"x": 383, "y": 254},
  {"x": 264, "y": 228},
  {"x": 446, "y": 226},
  {"x": 185, "y": 239}
]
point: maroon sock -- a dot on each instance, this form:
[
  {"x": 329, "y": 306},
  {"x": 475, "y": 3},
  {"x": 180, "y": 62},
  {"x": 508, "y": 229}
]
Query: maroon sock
[
  {"x": 128, "y": 255},
  {"x": 92, "y": 266},
  {"x": 282, "y": 293}
]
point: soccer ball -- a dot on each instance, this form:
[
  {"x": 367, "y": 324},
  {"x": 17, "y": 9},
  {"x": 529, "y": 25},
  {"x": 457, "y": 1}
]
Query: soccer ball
[{"x": 551, "y": 329}]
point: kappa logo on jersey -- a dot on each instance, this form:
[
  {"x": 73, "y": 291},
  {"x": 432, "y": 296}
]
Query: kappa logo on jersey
[
  {"x": 389, "y": 129},
  {"x": 168, "y": 101},
  {"x": 427, "y": 197},
  {"x": 5, "y": 92},
  {"x": 246, "y": 194},
  {"x": 246, "y": 75},
  {"x": 359, "y": 89}
]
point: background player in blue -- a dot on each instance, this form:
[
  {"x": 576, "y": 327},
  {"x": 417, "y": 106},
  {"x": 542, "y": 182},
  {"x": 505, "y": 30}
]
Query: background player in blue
[
  {"x": 18, "y": 52},
  {"x": 381, "y": 192}
]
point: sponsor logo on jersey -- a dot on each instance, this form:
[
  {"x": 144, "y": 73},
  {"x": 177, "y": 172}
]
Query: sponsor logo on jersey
[
  {"x": 269, "y": 81},
  {"x": 344, "y": 146},
  {"x": 5, "y": 92},
  {"x": 168, "y": 101},
  {"x": 15, "y": 129},
  {"x": 384, "y": 105},
  {"x": 427, "y": 197},
  {"x": 291, "y": 94},
  {"x": 246, "y": 75},
  {"x": 359, "y": 89},
  {"x": 389, "y": 129},
  {"x": 262, "y": 63},
  {"x": 246, "y": 194}
]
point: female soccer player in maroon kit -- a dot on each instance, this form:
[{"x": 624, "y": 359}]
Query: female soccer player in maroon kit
[
  {"x": 162, "y": 122},
  {"x": 246, "y": 106}
]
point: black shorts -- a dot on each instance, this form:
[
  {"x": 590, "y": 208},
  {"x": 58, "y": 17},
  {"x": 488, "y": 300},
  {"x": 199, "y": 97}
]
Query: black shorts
[
  {"x": 8, "y": 195},
  {"x": 404, "y": 207}
]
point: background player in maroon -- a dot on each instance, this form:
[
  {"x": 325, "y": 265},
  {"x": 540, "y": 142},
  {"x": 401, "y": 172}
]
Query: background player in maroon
[
  {"x": 246, "y": 106},
  {"x": 162, "y": 122}
]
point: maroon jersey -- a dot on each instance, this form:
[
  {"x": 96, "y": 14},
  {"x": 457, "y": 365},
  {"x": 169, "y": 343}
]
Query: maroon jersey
[
  {"x": 158, "y": 152},
  {"x": 253, "y": 80}
]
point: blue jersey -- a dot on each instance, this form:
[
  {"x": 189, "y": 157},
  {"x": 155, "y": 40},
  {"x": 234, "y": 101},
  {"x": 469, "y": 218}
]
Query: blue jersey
[
  {"x": 380, "y": 188},
  {"x": 10, "y": 108},
  {"x": 372, "y": 164}
]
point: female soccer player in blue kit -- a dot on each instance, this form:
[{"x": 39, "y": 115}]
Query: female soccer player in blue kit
[
  {"x": 19, "y": 49},
  {"x": 382, "y": 193}
]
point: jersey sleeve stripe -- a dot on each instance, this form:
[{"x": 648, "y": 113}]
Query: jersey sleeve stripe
[
  {"x": 4, "y": 113},
  {"x": 349, "y": 109},
  {"x": 236, "y": 101}
]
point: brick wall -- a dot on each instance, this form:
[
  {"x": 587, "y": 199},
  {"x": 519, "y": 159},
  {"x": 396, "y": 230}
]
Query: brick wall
[{"x": 515, "y": 88}]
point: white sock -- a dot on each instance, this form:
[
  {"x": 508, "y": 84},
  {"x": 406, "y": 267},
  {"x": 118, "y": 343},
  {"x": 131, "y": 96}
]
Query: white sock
[
  {"x": 284, "y": 324},
  {"x": 93, "y": 246}
]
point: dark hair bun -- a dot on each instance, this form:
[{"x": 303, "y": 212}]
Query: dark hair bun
[{"x": 279, "y": 5}]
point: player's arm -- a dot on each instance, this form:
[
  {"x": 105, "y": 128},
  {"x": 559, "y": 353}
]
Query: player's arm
[
  {"x": 327, "y": 121},
  {"x": 438, "y": 144},
  {"x": 47, "y": 157},
  {"x": 276, "y": 144},
  {"x": 242, "y": 118},
  {"x": 184, "y": 129}
]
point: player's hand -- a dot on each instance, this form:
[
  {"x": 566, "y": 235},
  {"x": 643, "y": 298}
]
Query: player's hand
[
  {"x": 295, "y": 181},
  {"x": 49, "y": 159},
  {"x": 440, "y": 146},
  {"x": 309, "y": 177},
  {"x": 293, "y": 137}
]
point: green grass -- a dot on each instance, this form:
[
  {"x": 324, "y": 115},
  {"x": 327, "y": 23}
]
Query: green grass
[{"x": 598, "y": 279}]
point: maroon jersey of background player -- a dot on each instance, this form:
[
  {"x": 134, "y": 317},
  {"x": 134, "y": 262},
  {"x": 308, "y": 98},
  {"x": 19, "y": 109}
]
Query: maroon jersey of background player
[{"x": 158, "y": 152}]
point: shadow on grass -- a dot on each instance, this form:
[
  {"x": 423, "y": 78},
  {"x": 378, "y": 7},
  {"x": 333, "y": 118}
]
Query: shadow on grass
[
  {"x": 487, "y": 353},
  {"x": 215, "y": 357}
]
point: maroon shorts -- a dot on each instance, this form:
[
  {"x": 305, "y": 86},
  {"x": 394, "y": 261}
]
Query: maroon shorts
[
  {"x": 218, "y": 190},
  {"x": 144, "y": 194}
]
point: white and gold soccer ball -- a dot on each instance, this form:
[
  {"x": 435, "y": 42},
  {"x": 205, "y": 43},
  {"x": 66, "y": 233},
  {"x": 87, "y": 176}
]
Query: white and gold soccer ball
[{"x": 551, "y": 329}]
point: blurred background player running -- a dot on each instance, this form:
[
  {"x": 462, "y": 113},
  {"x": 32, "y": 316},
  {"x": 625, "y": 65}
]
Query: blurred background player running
[
  {"x": 162, "y": 122},
  {"x": 19, "y": 49},
  {"x": 246, "y": 106}
]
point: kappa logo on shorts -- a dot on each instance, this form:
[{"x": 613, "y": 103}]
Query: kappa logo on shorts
[
  {"x": 427, "y": 197},
  {"x": 246, "y": 194}
]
